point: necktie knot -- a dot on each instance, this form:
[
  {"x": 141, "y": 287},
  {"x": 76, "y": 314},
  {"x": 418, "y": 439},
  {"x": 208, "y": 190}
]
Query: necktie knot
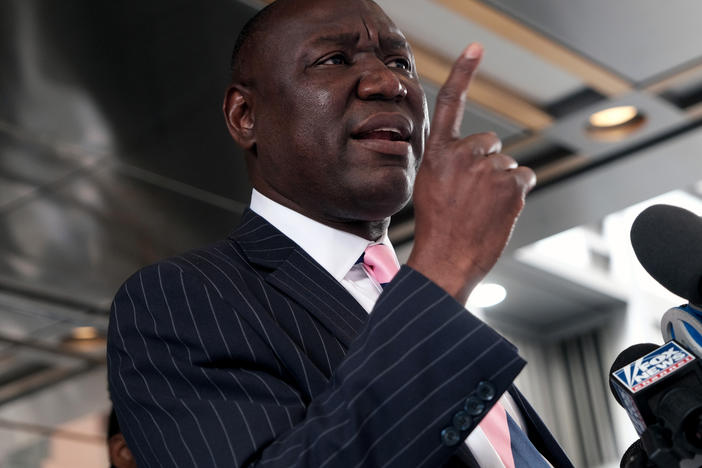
[{"x": 380, "y": 263}]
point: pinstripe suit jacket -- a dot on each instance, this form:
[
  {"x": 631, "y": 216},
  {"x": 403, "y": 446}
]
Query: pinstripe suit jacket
[{"x": 248, "y": 353}]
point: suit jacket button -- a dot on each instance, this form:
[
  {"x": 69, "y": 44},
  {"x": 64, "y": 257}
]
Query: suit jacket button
[
  {"x": 450, "y": 437},
  {"x": 474, "y": 406},
  {"x": 486, "y": 391},
  {"x": 462, "y": 421}
]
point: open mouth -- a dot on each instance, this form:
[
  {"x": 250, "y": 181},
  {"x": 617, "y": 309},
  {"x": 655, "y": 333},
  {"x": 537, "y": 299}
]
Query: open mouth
[
  {"x": 386, "y": 126},
  {"x": 389, "y": 134},
  {"x": 385, "y": 133}
]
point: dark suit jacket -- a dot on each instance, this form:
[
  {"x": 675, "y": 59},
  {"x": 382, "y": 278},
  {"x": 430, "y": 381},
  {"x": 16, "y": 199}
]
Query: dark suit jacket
[{"x": 247, "y": 352}]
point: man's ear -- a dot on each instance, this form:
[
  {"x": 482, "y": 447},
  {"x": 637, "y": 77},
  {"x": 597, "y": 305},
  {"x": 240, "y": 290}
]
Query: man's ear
[
  {"x": 120, "y": 455},
  {"x": 238, "y": 113}
]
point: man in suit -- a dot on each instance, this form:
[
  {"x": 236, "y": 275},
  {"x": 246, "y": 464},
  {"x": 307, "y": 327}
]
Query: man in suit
[{"x": 296, "y": 341}]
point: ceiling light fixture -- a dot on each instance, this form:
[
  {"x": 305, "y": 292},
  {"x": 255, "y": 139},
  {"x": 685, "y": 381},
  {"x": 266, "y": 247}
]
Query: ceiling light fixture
[
  {"x": 85, "y": 339},
  {"x": 613, "y": 117},
  {"x": 615, "y": 123},
  {"x": 487, "y": 295},
  {"x": 84, "y": 333}
]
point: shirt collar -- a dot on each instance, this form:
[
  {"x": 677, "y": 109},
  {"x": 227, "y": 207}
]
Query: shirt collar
[{"x": 335, "y": 250}]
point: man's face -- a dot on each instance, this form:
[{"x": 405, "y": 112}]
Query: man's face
[{"x": 340, "y": 116}]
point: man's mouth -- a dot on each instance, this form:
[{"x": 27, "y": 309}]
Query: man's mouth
[
  {"x": 388, "y": 126},
  {"x": 390, "y": 134}
]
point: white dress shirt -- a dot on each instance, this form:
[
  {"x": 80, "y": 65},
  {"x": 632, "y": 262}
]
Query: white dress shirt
[{"x": 337, "y": 252}]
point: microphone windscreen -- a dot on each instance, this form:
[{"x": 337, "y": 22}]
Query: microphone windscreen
[
  {"x": 635, "y": 456},
  {"x": 667, "y": 241},
  {"x": 629, "y": 355}
]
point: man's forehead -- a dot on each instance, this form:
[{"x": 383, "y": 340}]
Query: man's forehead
[
  {"x": 336, "y": 37},
  {"x": 334, "y": 20},
  {"x": 328, "y": 8}
]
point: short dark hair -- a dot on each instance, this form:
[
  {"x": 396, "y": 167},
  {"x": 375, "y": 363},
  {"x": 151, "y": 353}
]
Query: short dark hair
[{"x": 248, "y": 33}]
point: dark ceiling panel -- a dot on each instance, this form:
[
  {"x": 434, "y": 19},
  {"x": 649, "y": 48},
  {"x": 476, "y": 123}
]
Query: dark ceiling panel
[
  {"x": 140, "y": 80},
  {"x": 27, "y": 164},
  {"x": 84, "y": 239},
  {"x": 638, "y": 39}
]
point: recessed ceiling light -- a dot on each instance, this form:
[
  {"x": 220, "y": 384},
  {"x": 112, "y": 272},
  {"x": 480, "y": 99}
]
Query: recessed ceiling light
[
  {"x": 85, "y": 339},
  {"x": 486, "y": 295},
  {"x": 615, "y": 123},
  {"x": 613, "y": 117},
  {"x": 84, "y": 333}
]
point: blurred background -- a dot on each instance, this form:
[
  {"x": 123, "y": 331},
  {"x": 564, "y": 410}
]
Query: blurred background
[{"x": 114, "y": 154}]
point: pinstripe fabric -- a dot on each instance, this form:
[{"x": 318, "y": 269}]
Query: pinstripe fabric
[{"x": 248, "y": 353}]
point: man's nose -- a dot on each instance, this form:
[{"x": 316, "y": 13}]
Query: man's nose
[{"x": 381, "y": 82}]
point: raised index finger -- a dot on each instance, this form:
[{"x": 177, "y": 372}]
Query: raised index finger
[{"x": 451, "y": 100}]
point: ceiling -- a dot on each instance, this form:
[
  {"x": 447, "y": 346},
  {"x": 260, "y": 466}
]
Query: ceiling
[{"x": 114, "y": 154}]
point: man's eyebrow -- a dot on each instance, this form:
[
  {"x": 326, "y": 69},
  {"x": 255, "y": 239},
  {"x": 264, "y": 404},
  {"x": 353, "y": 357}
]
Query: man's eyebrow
[{"x": 394, "y": 42}]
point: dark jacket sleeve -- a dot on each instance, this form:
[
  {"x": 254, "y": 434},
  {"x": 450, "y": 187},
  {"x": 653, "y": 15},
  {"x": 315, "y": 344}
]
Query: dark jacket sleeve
[{"x": 190, "y": 390}]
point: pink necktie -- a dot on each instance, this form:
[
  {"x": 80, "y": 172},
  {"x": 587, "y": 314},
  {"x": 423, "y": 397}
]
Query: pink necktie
[
  {"x": 379, "y": 261},
  {"x": 495, "y": 428}
]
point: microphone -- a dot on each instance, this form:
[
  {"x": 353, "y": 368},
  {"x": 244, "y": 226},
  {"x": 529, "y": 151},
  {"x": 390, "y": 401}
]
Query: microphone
[
  {"x": 635, "y": 457},
  {"x": 661, "y": 387},
  {"x": 629, "y": 355},
  {"x": 661, "y": 390},
  {"x": 684, "y": 325},
  {"x": 667, "y": 240}
]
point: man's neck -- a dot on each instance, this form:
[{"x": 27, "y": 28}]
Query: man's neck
[{"x": 371, "y": 230}]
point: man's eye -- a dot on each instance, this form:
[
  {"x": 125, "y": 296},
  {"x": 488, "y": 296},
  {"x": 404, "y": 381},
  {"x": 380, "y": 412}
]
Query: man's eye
[
  {"x": 337, "y": 59},
  {"x": 402, "y": 63}
]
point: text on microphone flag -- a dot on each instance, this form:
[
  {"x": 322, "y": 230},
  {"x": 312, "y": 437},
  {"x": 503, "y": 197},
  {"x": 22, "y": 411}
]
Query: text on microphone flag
[{"x": 653, "y": 366}]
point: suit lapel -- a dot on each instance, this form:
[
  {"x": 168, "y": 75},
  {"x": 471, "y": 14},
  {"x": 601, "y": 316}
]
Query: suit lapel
[{"x": 292, "y": 271}]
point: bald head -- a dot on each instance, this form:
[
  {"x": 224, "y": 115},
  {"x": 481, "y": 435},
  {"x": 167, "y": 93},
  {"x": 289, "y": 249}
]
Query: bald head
[
  {"x": 253, "y": 35},
  {"x": 249, "y": 36}
]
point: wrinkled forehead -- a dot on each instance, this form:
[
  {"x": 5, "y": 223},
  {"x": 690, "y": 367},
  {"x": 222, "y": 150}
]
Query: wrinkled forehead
[{"x": 301, "y": 22}]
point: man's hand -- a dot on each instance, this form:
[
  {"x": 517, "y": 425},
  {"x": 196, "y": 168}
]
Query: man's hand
[{"x": 467, "y": 195}]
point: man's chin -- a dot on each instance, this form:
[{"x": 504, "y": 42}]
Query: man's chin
[{"x": 379, "y": 206}]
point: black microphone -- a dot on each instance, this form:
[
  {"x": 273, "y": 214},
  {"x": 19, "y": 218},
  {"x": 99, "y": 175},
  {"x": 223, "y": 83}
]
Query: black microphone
[
  {"x": 661, "y": 387},
  {"x": 629, "y": 355},
  {"x": 636, "y": 457},
  {"x": 661, "y": 390},
  {"x": 667, "y": 241}
]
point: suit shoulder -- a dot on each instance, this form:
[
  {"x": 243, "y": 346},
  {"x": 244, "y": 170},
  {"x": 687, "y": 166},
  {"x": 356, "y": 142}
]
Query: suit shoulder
[
  {"x": 212, "y": 259},
  {"x": 199, "y": 265}
]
